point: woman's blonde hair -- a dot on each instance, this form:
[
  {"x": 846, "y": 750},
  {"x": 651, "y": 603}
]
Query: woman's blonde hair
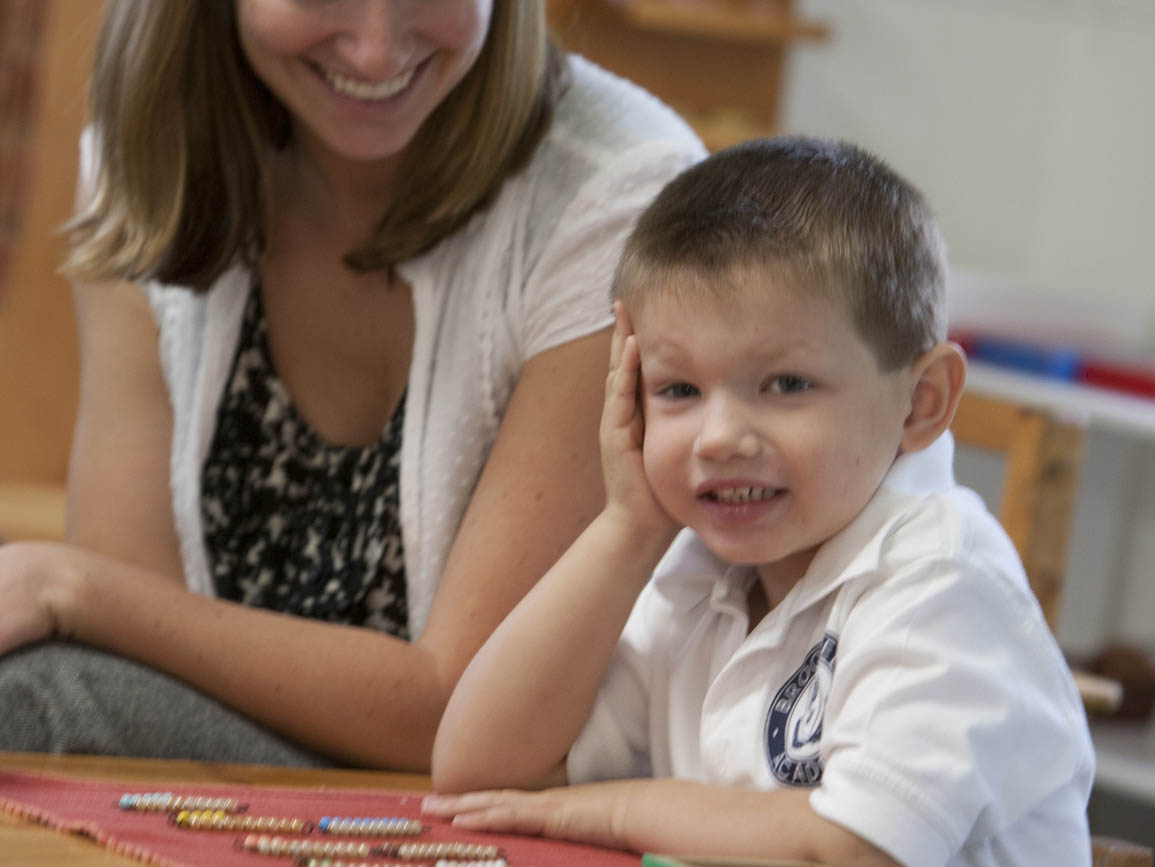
[{"x": 182, "y": 126}]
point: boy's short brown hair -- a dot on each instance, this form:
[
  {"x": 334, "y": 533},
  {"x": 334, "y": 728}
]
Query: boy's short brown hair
[{"x": 821, "y": 215}]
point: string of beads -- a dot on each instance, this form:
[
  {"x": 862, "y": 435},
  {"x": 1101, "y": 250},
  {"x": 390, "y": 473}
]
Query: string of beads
[
  {"x": 219, "y": 820},
  {"x": 166, "y": 802},
  {"x": 281, "y": 846},
  {"x": 431, "y": 851},
  {"x": 369, "y": 826},
  {"x": 444, "y": 862}
]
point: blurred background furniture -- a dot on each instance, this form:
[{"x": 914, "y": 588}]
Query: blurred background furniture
[
  {"x": 1111, "y": 852},
  {"x": 1042, "y": 455},
  {"x": 21, "y": 27},
  {"x": 50, "y": 43},
  {"x": 1041, "y": 473},
  {"x": 720, "y": 63}
]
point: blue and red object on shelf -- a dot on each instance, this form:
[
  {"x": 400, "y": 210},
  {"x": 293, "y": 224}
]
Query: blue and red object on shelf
[{"x": 1062, "y": 363}]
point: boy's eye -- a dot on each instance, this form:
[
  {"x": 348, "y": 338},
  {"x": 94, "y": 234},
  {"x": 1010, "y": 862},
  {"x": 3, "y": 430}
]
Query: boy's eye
[
  {"x": 787, "y": 384},
  {"x": 679, "y": 390}
]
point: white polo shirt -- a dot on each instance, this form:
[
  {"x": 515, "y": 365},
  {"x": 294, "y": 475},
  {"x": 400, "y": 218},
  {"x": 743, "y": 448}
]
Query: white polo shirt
[{"x": 909, "y": 679}]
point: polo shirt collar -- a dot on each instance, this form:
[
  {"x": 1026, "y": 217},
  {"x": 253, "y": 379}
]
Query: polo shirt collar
[{"x": 857, "y": 549}]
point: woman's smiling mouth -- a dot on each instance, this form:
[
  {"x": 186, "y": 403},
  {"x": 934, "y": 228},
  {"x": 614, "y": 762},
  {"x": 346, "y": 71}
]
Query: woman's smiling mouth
[{"x": 369, "y": 91}]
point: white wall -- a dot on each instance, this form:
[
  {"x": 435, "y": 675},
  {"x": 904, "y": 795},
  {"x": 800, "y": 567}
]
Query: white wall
[{"x": 1029, "y": 124}]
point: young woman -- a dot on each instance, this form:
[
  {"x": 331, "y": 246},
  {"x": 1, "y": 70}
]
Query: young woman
[{"x": 342, "y": 293}]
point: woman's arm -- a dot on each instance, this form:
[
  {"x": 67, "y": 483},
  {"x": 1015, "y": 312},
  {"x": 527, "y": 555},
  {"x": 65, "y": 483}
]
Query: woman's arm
[
  {"x": 118, "y": 479},
  {"x": 540, "y": 487},
  {"x": 673, "y": 816},
  {"x": 351, "y": 693}
]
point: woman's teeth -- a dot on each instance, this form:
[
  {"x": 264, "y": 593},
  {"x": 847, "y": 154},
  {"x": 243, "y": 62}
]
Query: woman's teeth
[
  {"x": 742, "y": 495},
  {"x": 368, "y": 90}
]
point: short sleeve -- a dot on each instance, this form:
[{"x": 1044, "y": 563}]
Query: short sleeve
[
  {"x": 87, "y": 165},
  {"x": 568, "y": 290},
  {"x": 952, "y": 716}
]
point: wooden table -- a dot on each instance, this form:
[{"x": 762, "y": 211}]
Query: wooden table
[{"x": 29, "y": 845}]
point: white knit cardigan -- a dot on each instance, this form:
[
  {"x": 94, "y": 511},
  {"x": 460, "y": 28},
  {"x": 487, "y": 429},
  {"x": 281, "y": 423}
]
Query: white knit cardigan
[{"x": 529, "y": 273}]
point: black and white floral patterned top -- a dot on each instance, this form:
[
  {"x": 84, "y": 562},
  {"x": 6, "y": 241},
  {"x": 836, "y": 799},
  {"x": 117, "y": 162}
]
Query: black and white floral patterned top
[{"x": 292, "y": 522}]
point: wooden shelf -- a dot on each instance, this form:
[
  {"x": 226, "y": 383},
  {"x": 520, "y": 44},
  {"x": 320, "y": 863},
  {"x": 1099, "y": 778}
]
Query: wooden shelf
[
  {"x": 1125, "y": 757},
  {"x": 757, "y": 22},
  {"x": 719, "y": 63},
  {"x": 724, "y": 127},
  {"x": 1096, "y": 407}
]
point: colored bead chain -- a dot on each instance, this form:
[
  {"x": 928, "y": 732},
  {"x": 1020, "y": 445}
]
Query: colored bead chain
[
  {"x": 219, "y": 820},
  {"x": 166, "y": 802},
  {"x": 369, "y": 826},
  {"x": 431, "y": 851},
  {"x": 444, "y": 862},
  {"x": 267, "y": 845},
  {"x": 337, "y": 862}
]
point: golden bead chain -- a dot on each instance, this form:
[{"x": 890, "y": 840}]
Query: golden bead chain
[{"x": 219, "y": 820}]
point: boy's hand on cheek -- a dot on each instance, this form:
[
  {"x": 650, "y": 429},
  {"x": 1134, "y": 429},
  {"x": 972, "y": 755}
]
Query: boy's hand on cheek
[{"x": 628, "y": 493}]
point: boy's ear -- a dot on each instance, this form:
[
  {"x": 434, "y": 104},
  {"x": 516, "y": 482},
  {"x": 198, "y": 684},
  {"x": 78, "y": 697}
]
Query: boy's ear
[{"x": 939, "y": 376}]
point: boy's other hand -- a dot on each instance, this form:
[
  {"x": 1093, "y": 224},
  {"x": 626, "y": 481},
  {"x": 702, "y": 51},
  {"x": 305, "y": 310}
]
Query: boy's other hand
[
  {"x": 582, "y": 814},
  {"x": 666, "y": 815}
]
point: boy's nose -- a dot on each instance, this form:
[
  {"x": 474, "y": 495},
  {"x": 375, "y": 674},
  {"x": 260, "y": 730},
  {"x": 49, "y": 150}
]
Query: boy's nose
[{"x": 726, "y": 431}]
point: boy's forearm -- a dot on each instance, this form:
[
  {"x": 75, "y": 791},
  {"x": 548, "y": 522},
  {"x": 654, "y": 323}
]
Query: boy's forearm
[{"x": 525, "y": 697}]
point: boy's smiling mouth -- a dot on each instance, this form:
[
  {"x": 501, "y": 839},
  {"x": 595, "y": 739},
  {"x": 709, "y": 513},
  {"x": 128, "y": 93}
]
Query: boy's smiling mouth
[{"x": 740, "y": 495}]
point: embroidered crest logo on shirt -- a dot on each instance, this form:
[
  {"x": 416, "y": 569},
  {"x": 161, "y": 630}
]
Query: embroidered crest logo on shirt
[{"x": 794, "y": 722}]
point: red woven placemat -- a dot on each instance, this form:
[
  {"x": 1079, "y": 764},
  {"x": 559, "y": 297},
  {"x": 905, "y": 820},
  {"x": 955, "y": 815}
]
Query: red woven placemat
[{"x": 89, "y": 808}]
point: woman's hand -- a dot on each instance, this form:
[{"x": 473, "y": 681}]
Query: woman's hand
[
  {"x": 32, "y": 578},
  {"x": 623, "y": 432}
]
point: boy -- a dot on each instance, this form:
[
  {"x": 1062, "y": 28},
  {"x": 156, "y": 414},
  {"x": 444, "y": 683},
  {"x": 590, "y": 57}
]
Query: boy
[{"x": 840, "y": 659}]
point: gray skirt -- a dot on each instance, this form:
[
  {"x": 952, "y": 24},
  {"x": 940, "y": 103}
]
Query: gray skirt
[{"x": 66, "y": 698}]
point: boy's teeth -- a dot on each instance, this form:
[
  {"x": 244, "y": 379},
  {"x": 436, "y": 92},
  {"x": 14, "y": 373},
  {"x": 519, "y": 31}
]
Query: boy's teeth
[
  {"x": 368, "y": 90},
  {"x": 742, "y": 495}
]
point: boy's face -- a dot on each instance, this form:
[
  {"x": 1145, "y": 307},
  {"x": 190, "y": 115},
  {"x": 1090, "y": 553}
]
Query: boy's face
[{"x": 768, "y": 423}]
